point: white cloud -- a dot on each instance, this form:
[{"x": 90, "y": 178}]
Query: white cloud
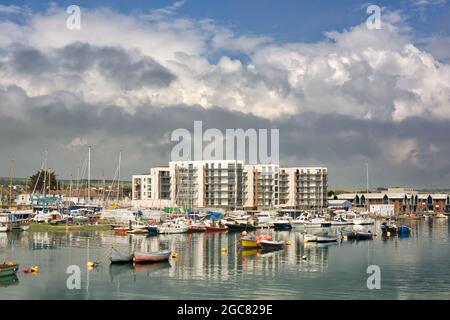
[
  {"x": 76, "y": 144},
  {"x": 370, "y": 74}
]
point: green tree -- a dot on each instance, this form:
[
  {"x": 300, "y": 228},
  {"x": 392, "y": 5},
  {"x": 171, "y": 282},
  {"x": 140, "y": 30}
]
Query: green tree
[
  {"x": 43, "y": 177},
  {"x": 331, "y": 193}
]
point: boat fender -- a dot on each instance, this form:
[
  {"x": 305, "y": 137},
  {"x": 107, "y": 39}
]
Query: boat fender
[{"x": 26, "y": 270}]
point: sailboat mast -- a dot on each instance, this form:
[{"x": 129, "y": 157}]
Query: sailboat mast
[
  {"x": 89, "y": 173},
  {"x": 118, "y": 177}
]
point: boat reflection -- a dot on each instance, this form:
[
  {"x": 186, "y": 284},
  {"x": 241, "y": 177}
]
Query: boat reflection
[{"x": 6, "y": 281}]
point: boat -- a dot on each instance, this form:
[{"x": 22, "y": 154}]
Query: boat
[
  {"x": 158, "y": 256},
  {"x": 441, "y": 216},
  {"x": 299, "y": 221},
  {"x": 121, "y": 230},
  {"x": 217, "y": 228},
  {"x": 271, "y": 245},
  {"x": 390, "y": 228},
  {"x": 348, "y": 234},
  {"x": 8, "y": 269},
  {"x": 364, "y": 236},
  {"x": 324, "y": 237},
  {"x": 363, "y": 221},
  {"x": 197, "y": 227},
  {"x": 3, "y": 227},
  {"x": 10, "y": 280},
  {"x": 249, "y": 243},
  {"x": 282, "y": 224},
  {"x": 404, "y": 229},
  {"x": 264, "y": 219},
  {"x": 120, "y": 257},
  {"x": 317, "y": 223},
  {"x": 173, "y": 227},
  {"x": 309, "y": 238},
  {"x": 238, "y": 227}
]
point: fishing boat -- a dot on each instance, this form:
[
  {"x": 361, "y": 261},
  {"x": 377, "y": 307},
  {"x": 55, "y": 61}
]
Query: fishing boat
[
  {"x": 120, "y": 257},
  {"x": 364, "y": 236},
  {"x": 324, "y": 237},
  {"x": 197, "y": 227},
  {"x": 271, "y": 245},
  {"x": 159, "y": 256},
  {"x": 8, "y": 269}
]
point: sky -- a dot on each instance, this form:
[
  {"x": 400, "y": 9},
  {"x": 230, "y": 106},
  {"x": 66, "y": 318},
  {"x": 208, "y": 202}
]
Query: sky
[{"x": 342, "y": 94}]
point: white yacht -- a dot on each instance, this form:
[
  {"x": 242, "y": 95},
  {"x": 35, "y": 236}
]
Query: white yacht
[{"x": 171, "y": 227}]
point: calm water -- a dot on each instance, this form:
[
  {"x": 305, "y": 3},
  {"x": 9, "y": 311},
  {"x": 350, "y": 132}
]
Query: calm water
[{"x": 411, "y": 268}]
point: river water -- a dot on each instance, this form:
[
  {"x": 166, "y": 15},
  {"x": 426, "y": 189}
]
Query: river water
[{"x": 212, "y": 266}]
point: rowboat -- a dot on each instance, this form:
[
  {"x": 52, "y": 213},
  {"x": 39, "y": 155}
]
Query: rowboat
[
  {"x": 120, "y": 257},
  {"x": 8, "y": 268},
  {"x": 159, "y": 256},
  {"x": 323, "y": 237},
  {"x": 249, "y": 243},
  {"x": 271, "y": 245},
  {"x": 364, "y": 236}
]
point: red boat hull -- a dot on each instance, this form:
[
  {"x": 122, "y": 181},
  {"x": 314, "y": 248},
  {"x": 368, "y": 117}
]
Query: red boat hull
[
  {"x": 142, "y": 258},
  {"x": 216, "y": 229}
]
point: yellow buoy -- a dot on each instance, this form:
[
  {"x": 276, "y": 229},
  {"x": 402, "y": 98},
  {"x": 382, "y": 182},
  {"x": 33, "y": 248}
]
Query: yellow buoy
[
  {"x": 288, "y": 243},
  {"x": 34, "y": 269},
  {"x": 174, "y": 255},
  {"x": 91, "y": 264},
  {"x": 224, "y": 250},
  {"x": 345, "y": 237}
]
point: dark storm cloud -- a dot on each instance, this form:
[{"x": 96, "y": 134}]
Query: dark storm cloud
[
  {"x": 129, "y": 70},
  {"x": 342, "y": 143}
]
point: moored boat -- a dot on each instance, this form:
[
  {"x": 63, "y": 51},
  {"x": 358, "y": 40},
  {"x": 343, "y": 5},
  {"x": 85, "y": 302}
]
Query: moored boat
[
  {"x": 309, "y": 238},
  {"x": 281, "y": 225},
  {"x": 404, "y": 229},
  {"x": 364, "y": 236},
  {"x": 3, "y": 227},
  {"x": 271, "y": 245},
  {"x": 238, "y": 227},
  {"x": 441, "y": 216},
  {"x": 159, "y": 256},
  {"x": 120, "y": 257},
  {"x": 8, "y": 268},
  {"x": 324, "y": 237},
  {"x": 249, "y": 243},
  {"x": 173, "y": 227}
]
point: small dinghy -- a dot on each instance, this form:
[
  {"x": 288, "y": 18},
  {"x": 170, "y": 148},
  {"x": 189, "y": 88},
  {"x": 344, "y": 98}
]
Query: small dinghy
[
  {"x": 120, "y": 257},
  {"x": 364, "y": 236},
  {"x": 147, "y": 257},
  {"x": 404, "y": 229},
  {"x": 271, "y": 245},
  {"x": 8, "y": 269},
  {"x": 324, "y": 237}
]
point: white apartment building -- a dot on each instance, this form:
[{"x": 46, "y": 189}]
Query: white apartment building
[{"x": 230, "y": 184}]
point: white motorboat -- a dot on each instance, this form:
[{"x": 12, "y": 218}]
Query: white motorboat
[
  {"x": 172, "y": 227},
  {"x": 299, "y": 221},
  {"x": 317, "y": 223},
  {"x": 264, "y": 219},
  {"x": 363, "y": 221}
]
